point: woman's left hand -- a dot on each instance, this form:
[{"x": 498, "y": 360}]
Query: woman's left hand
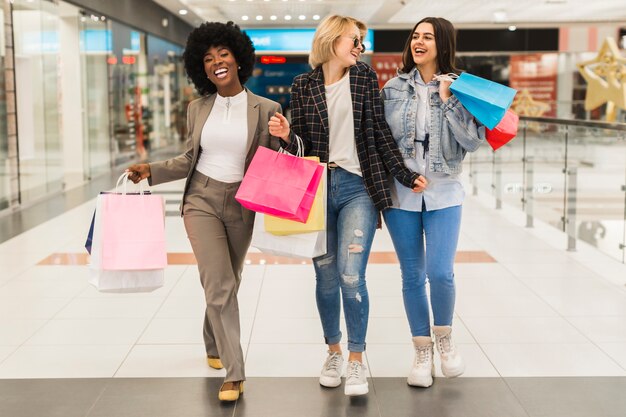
[{"x": 444, "y": 90}]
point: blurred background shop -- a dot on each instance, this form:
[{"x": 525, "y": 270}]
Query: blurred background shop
[{"x": 89, "y": 85}]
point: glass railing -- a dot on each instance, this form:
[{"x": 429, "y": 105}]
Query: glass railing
[{"x": 567, "y": 173}]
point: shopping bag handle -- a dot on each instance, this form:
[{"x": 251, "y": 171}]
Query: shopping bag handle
[
  {"x": 121, "y": 179},
  {"x": 447, "y": 77},
  {"x": 299, "y": 152}
]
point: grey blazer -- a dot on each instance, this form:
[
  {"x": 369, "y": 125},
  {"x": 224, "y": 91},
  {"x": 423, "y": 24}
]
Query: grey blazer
[{"x": 260, "y": 110}]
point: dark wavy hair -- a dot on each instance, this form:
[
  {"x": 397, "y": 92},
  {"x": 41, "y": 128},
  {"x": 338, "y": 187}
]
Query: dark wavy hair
[
  {"x": 211, "y": 34},
  {"x": 445, "y": 41}
]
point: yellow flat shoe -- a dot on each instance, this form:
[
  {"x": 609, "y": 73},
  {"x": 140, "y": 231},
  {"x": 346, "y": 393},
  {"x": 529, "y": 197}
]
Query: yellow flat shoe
[
  {"x": 230, "y": 391},
  {"x": 214, "y": 362}
]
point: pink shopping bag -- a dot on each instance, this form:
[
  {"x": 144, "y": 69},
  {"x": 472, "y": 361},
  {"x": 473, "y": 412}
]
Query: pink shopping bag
[
  {"x": 133, "y": 232},
  {"x": 280, "y": 184}
]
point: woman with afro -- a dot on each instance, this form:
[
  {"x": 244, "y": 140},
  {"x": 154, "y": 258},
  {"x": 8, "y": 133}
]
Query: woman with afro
[{"x": 225, "y": 127}]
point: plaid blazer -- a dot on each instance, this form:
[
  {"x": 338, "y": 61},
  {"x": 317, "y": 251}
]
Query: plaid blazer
[{"x": 377, "y": 150}]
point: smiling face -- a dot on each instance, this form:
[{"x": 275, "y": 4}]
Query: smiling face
[
  {"x": 345, "y": 52},
  {"x": 221, "y": 68},
  {"x": 423, "y": 45}
]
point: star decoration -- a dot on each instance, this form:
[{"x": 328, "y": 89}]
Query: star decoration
[
  {"x": 606, "y": 79},
  {"x": 526, "y": 105}
]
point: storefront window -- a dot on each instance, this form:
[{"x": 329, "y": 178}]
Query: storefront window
[
  {"x": 166, "y": 109},
  {"x": 36, "y": 37},
  {"x": 128, "y": 93},
  {"x": 95, "y": 47}
]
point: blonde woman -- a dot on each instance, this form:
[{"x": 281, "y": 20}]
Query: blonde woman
[{"x": 336, "y": 111}]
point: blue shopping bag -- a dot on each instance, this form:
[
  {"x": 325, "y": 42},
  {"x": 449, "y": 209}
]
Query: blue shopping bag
[
  {"x": 89, "y": 241},
  {"x": 486, "y": 100}
]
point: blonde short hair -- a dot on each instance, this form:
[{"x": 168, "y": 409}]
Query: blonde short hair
[{"x": 331, "y": 28}]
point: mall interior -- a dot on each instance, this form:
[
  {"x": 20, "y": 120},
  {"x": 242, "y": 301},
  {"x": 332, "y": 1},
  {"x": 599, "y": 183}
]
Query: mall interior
[{"x": 89, "y": 87}]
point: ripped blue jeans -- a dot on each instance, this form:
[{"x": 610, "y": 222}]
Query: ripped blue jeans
[{"x": 350, "y": 224}]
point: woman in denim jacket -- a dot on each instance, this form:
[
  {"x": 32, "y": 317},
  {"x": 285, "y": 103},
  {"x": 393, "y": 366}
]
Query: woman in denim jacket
[{"x": 434, "y": 132}]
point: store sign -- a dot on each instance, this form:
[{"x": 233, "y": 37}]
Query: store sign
[
  {"x": 38, "y": 42},
  {"x": 386, "y": 66},
  {"x": 536, "y": 74},
  {"x": 292, "y": 40},
  {"x": 93, "y": 40}
]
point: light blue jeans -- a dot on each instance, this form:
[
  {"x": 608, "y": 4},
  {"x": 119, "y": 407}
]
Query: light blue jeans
[
  {"x": 350, "y": 223},
  {"x": 440, "y": 230}
]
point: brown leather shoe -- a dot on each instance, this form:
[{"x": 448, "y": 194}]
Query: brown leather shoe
[
  {"x": 214, "y": 362},
  {"x": 230, "y": 391}
]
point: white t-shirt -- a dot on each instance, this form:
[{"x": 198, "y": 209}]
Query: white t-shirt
[
  {"x": 342, "y": 146},
  {"x": 224, "y": 139}
]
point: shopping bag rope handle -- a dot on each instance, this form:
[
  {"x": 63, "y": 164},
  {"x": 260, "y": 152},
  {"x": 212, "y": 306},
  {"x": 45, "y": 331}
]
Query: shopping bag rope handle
[
  {"x": 446, "y": 77},
  {"x": 299, "y": 152},
  {"x": 121, "y": 179}
]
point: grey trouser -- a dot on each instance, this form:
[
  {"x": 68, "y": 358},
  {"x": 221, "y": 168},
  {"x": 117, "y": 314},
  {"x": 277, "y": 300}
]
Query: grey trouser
[{"x": 220, "y": 240}]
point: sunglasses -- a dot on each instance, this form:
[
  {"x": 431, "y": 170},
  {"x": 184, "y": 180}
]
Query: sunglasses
[{"x": 356, "y": 42}]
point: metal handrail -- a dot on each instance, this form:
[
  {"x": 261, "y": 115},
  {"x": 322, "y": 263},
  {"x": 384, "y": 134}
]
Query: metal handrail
[
  {"x": 570, "y": 189},
  {"x": 572, "y": 122}
]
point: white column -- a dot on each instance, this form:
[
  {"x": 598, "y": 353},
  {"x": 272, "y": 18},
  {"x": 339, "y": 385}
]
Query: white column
[{"x": 71, "y": 103}]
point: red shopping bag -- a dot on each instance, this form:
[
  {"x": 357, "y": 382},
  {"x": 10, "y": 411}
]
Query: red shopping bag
[
  {"x": 504, "y": 131},
  {"x": 280, "y": 184}
]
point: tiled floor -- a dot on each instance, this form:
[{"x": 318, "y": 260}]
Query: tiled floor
[{"x": 542, "y": 329}]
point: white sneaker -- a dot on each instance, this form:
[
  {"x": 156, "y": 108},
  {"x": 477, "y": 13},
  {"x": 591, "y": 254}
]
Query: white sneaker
[
  {"x": 356, "y": 380},
  {"x": 423, "y": 369},
  {"x": 331, "y": 372},
  {"x": 452, "y": 364}
]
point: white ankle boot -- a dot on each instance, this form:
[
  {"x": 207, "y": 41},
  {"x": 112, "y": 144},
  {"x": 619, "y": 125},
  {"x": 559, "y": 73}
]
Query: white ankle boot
[
  {"x": 423, "y": 369},
  {"x": 451, "y": 361}
]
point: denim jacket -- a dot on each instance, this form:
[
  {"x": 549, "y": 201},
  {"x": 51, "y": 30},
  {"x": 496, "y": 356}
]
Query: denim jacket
[{"x": 453, "y": 130}]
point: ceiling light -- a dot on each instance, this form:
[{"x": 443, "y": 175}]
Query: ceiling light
[
  {"x": 272, "y": 17},
  {"x": 302, "y": 17},
  {"x": 182, "y": 12},
  {"x": 316, "y": 17},
  {"x": 512, "y": 28},
  {"x": 259, "y": 17},
  {"x": 500, "y": 16},
  {"x": 287, "y": 17},
  {"x": 244, "y": 17}
]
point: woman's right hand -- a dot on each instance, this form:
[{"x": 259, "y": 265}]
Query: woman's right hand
[
  {"x": 420, "y": 184},
  {"x": 279, "y": 127},
  {"x": 138, "y": 172}
]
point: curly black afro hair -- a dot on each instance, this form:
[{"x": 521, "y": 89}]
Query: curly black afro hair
[{"x": 211, "y": 34}]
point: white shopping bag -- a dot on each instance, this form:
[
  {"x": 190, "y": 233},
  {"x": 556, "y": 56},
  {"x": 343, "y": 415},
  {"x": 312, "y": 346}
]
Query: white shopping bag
[
  {"x": 122, "y": 281},
  {"x": 127, "y": 281},
  {"x": 301, "y": 245}
]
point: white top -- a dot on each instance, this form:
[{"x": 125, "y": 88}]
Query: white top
[
  {"x": 224, "y": 139},
  {"x": 443, "y": 190},
  {"x": 342, "y": 147}
]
